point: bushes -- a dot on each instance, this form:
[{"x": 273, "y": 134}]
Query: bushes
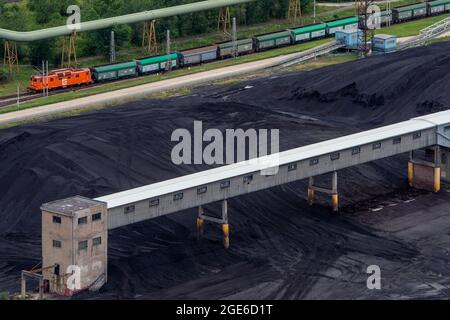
[{"x": 3, "y": 75}]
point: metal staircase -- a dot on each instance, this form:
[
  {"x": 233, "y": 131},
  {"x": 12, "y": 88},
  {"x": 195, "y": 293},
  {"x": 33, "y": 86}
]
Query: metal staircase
[
  {"x": 312, "y": 53},
  {"x": 98, "y": 283},
  {"x": 427, "y": 34}
]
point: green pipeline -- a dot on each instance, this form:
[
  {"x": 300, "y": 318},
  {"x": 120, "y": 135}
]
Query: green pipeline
[{"x": 109, "y": 22}]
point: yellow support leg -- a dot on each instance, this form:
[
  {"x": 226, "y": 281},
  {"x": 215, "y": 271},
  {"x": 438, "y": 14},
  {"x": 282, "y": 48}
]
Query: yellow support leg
[
  {"x": 310, "y": 196},
  {"x": 411, "y": 174},
  {"x": 226, "y": 235},
  {"x": 335, "y": 201},
  {"x": 437, "y": 179},
  {"x": 200, "y": 225}
]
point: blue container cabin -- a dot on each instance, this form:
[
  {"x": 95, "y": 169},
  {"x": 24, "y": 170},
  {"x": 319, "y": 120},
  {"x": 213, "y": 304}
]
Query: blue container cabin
[
  {"x": 384, "y": 43},
  {"x": 350, "y": 37}
]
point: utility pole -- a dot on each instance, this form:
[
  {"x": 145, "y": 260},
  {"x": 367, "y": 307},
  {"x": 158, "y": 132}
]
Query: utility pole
[
  {"x": 112, "y": 49},
  {"x": 389, "y": 13},
  {"x": 314, "y": 11},
  {"x": 45, "y": 78},
  {"x": 235, "y": 47},
  {"x": 169, "y": 60}
]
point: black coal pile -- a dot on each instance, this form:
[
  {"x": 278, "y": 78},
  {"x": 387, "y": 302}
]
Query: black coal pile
[
  {"x": 387, "y": 88},
  {"x": 280, "y": 247}
]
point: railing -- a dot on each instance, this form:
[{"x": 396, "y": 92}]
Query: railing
[
  {"x": 427, "y": 34},
  {"x": 312, "y": 53}
]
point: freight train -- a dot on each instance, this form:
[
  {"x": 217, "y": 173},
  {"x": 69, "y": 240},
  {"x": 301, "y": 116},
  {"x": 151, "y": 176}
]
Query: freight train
[{"x": 75, "y": 77}]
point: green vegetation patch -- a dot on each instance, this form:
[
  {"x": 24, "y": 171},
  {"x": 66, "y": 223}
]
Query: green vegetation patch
[{"x": 411, "y": 28}]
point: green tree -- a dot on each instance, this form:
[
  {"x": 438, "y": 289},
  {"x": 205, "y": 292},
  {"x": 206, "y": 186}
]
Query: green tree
[
  {"x": 2, "y": 6},
  {"x": 42, "y": 50},
  {"x": 44, "y": 10},
  {"x": 3, "y": 75}
]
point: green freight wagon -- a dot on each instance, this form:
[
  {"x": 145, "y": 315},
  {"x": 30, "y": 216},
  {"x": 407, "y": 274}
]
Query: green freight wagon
[
  {"x": 438, "y": 6},
  {"x": 243, "y": 46},
  {"x": 342, "y": 24},
  {"x": 386, "y": 17},
  {"x": 273, "y": 40},
  {"x": 409, "y": 12},
  {"x": 306, "y": 33},
  {"x": 114, "y": 71},
  {"x": 157, "y": 63}
]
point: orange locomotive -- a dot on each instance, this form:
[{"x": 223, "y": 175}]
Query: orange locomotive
[{"x": 61, "y": 79}]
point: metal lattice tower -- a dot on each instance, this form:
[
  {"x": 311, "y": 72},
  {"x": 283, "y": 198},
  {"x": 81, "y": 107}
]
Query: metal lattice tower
[
  {"x": 362, "y": 11},
  {"x": 295, "y": 12},
  {"x": 10, "y": 57},
  {"x": 69, "y": 51},
  {"x": 224, "y": 21},
  {"x": 149, "y": 44}
]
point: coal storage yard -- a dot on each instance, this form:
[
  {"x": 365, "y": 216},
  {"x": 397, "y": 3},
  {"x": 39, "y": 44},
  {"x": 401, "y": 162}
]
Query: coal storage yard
[{"x": 281, "y": 248}]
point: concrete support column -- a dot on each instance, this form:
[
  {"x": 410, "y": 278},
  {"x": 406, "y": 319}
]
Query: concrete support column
[
  {"x": 444, "y": 163},
  {"x": 437, "y": 179},
  {"x": 425, "y": 174},
  {"x": 223, "y": 221},
  {"x": 410, "y": 173},
  {"x": 200, "y": 222},
  {"x": 334, "y": 194},
  {"x": 225, "y": 226},
  {"x": 437, "y": 169},
  {"x": 23, "y": 287},
  {"x": 41, "y": 288},
  {"x": 311, "y": 191}
]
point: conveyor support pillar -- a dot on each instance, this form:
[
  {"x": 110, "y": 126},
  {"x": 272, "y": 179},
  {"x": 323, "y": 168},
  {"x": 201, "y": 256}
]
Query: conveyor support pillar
[
  {"x": 333, "y": 191},
  {"x": 223, "y": 221}
]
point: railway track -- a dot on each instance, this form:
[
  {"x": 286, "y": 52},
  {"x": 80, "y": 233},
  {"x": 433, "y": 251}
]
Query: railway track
[{"x": 10, "y": 100}]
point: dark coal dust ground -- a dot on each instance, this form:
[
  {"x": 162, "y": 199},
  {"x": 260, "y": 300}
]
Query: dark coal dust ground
[{"x": 280, "y": 247}]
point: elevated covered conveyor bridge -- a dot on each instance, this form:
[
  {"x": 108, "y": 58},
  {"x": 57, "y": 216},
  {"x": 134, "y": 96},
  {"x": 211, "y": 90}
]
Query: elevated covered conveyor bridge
[
  {"x": 244, "y": 177},
  {"x": 219, "y": 184}
]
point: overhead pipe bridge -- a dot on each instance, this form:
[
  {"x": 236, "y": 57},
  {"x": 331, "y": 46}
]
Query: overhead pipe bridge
[{"x": 29, "y": 36}]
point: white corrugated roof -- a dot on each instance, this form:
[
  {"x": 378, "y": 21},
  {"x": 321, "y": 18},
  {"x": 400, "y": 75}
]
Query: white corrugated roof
[
  {"x": 293, "y": 155},
  {"x": 384, "y": 36},
  {"x": 348, "y": 31}
]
